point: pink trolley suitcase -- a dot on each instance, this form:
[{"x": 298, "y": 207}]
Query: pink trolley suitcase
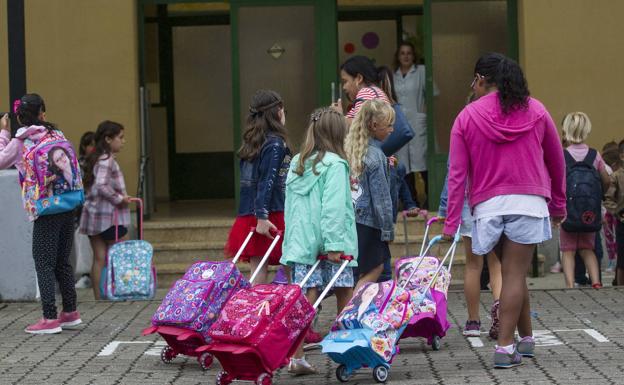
[
  {"x": 428, "y": 280},
  {"x": 260, "y": 328},
  {"x": 193, "y": 303}
]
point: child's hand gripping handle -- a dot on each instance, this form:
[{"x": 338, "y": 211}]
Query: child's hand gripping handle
[
  {"x": 265, "y": 258},
  {"x": 139, "y": 203},
  {"x": 345, "y": 261}
]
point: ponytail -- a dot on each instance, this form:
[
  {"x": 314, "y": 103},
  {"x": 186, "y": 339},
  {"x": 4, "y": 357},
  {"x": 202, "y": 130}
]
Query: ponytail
[
  {"x": 28, "y": 109},
  {"x": 507, "y": 76}
]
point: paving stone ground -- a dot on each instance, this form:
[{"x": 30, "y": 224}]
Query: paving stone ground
[{"x": 580, "y": 336}]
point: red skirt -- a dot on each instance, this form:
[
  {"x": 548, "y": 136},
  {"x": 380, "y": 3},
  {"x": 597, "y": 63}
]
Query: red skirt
[{"x": 259, "y": 244}]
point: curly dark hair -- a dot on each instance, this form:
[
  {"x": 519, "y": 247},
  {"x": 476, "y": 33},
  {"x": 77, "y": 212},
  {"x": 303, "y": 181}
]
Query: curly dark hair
[
  {"x": 263, "y": 119},
  {"x": 506, "y": 74}
]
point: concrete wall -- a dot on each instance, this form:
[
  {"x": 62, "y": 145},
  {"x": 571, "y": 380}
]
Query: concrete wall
[
  {"x": 17, "y": 277},
  {"x": 571, "y": 51},
  {"x": 4, "y": 63},
  {"x": 82, "y": 57}
]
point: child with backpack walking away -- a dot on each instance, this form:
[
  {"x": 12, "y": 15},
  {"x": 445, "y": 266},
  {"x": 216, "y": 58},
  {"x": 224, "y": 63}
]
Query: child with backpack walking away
[
  {"x": 319, "y": 215},
  {"x": 370, "y": 185},
  {"x": 264, "y": 161},
  {"x": 586, "y": 179},
  {"x": 106, "y": 193},
  {"x": 51, "y": 190},
  {"x": 512, "y": 205},
  {"x": 615, "y": 205}
]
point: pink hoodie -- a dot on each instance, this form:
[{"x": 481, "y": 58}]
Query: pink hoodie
[
  {"x": 11, "y": 150},
  {"x": 498, "y": 154}
]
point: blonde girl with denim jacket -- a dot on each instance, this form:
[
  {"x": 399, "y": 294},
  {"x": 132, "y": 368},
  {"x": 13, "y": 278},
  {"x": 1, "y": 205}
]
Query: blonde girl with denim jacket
[
  {"x": 370, "y": 185},
  {"x": 319, "y": 215}
]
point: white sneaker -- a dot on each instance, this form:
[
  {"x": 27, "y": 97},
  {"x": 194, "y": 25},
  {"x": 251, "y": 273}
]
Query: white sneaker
[
  {"x": 83, "y": 283},
  {"x": 299, "y": 366}
]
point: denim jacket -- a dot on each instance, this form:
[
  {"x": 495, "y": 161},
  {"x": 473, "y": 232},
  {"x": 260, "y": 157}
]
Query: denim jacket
[
  {"x": 399, "y": 190},
  {"x": 263, "y": 180},
  {"x": 371, "y": 195}
]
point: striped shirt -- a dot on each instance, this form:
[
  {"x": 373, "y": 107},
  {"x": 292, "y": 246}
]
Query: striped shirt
[
  {"x": 104, "y": 197},
  {"x": 364, "y": 94}
]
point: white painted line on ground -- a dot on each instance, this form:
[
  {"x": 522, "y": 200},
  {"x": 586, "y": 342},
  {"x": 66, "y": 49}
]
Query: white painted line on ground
[
  {"x": 112, "y": 346},
  {"x": 475, "y": 342},
  {"x": 596, "y": 335},
  {"x": 156, "y": 348}
]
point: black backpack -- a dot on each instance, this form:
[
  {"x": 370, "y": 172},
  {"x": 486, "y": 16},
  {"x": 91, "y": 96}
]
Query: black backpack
[{"x": 583, "y": 194}]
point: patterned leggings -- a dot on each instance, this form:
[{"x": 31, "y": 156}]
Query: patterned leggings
[{"x": 52, "y": 241}]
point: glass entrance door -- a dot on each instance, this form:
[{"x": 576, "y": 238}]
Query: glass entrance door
[{"x": 459, "y": 32}]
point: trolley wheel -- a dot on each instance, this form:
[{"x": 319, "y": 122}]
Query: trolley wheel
[
  {"x": 167, "y": 354},
  {"x": 264, "y": 379},
  {"x": 380, "y": 373},
  {"x": 205, "y": 360},
  {"x": 436, "y": 344},
  {"x": 341, "y": 373},
  {"x": 223, "y": 378}
]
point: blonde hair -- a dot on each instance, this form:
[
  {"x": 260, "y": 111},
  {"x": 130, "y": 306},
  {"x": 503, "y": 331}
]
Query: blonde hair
[
  {"x": 356, "y": 144},
  {"x": 326, "y": 132},
  {"x": 576, "y": 127}
]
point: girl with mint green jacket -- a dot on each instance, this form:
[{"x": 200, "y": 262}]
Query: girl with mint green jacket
[{"x": 319, "y": 216}]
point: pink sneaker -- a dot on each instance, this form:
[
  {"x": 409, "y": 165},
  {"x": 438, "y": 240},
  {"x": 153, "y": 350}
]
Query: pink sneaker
[
  {"x": 44, "y": 326},
  {"x": 67, "y": 320}
]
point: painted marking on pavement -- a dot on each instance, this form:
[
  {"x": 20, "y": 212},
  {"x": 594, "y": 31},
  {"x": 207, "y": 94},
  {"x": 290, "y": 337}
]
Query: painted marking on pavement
[
  {"x": 595, "y": 334},
  {"x": 475, "y": 342},
  {"x": 155, "y": 349},
  {"x": 112, "y": 346}
]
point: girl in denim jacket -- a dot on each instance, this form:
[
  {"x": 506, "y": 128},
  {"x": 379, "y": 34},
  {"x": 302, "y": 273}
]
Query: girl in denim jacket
[
  {"x": 371, "y": 187},
  {"x": 264, "y": 162}
]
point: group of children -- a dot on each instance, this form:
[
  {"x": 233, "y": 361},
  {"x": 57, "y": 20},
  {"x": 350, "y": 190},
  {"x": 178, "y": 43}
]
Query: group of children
[
  {"x": 332, "y": 198},
  {"x": 582, "y": 252},
  {"x": 53, "y": 233},
  {"x": 338, "y": 195}
]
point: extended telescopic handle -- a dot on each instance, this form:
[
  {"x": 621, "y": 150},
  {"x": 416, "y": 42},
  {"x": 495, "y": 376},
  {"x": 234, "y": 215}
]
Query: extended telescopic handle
[
  {"x": 139, "y": 203},
  {"x": 265, "y": 258},
  {"x": 345, "y": 261}
]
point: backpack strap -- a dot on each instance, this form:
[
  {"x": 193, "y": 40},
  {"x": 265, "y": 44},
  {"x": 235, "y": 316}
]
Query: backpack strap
[
  {"x": 590, "y": 157},
  {"x": 569, "y": 160}
]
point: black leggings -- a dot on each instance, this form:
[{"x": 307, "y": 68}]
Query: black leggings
[{"x": 51, "y": 245}]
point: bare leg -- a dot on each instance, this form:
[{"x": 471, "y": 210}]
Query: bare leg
[
  {"x": 262, "y": 274},
  {"x": 343, "y": 295},
  {"x": 591, "y": 263},
  {"x": 567, "y": 260},
  {"x": 371, "y": 276},
  {"x": 496, "y": 278},
  {"x": 312, "y": 295},
  {"x": 472, "y": 280},
  {"x": 100, "y": 248},
  {"x": 514, "y": 309}
]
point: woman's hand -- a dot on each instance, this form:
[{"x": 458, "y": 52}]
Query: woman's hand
[
  {"x": 337, "y": 106},
  {"x": 264, "y": 227},
  {"x": 413, "y": 212},
  {"x": 4, "y": 123}
]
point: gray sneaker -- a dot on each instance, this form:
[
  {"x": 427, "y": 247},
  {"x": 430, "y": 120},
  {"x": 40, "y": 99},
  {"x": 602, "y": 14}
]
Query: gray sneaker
[
  {"x": 504, "y": 360},
  {"x": 526, "y": 346}
]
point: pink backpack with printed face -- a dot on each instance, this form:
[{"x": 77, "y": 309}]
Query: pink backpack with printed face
[
  {"x": 269, "y": 318},
  {"x": 195, "y": 301},
  {"x": 50, "y": 177}
]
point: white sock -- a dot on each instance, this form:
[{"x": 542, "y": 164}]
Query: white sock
[{"x": 508, "y": 349}]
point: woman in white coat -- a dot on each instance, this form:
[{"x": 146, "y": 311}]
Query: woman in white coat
[{"x": 410, "y": 85}]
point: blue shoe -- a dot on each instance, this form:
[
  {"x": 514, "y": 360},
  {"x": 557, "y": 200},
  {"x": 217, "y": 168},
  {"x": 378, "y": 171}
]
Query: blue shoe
[
  {"x": 504, "y": 360},
  {"x": 526, "y": 347}
]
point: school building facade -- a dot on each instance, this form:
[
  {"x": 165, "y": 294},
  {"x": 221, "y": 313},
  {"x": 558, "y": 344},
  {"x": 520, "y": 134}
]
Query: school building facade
[{"x": 178, "y": 74}]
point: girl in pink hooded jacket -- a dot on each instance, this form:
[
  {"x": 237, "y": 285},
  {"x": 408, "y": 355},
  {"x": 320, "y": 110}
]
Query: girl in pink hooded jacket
[{"x": 505, "y": 146}]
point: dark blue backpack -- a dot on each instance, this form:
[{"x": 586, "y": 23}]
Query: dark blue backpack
[{"x": 583, "y": 193}]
